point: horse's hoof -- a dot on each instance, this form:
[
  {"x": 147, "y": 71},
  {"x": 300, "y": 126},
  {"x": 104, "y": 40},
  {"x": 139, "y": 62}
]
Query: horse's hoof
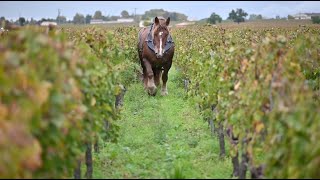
[
  {"x": 152, "y": 91},
  {"x": 164, "y": 93},
  {"x": 152, "y": 94}
]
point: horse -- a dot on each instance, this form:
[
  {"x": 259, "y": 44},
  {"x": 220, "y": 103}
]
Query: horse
[{"x": 156, "y": 50}]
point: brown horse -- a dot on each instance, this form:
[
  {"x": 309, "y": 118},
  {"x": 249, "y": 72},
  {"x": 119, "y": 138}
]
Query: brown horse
[{"x": 156, "y": 49}]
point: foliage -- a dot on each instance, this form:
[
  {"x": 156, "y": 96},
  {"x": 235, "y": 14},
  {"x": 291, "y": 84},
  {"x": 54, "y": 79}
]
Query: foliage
[
  {"x": 147, "y": 23},
  {"x": 78, "y": 19},
  {"x": 47, "y": 19},
  {"x": 58, "y": 92},
  {"x": 290, "y": 17},
  {"x": 88, "y": 19},
  {"x": 214, "y": 18},
  {"x": 41, "y": 116},
  {"x": 238, "y": 15},
  {"x": 315, "y": 19},
  {"x": 97, "y": 15},
  {"x": 22, "y": 20},
  {"x": 263, "y": 87},
  {"x": 62, "y": 96},
  {"x": 294, "y": 121},
  {"x": 61, "y": 19},
  {"x": 2, "y": 21},
  {"x": 255, "y": 17},
  {"x": 124, "y": 14},
  {"x": 174, "y": 16}
]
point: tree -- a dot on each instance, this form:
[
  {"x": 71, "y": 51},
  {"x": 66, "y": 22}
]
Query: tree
[
  {"x": 43, "y": 19},
  {"x": 315, "y": 19},
  {"x": 181, "y": 17},
  {"x": 106, "y": 18},
  {"x": 78, "y": 19},
  {"x": 232, "y": 15},
  {"x": 22, "y": 20},
  {"x": 290, "y": 17},
  {"x": 33, "y": 22},
  {"x": 255, "y": 17},
  {"x": 97, "y": 15},
  {"x": 153, "y": 13},
  {"x": 174, "y": 16},
  {"x": 2, "y": 21},
  {"x": 259, "y": 16},
  {"x": 61, "y": 19},
  {"x": 277, "y": 17},
  {"x": 114, "y": 18},
  {"x": 88, "y": 19},
  {"x": 214, "y": 18},
  {"x": 238, "y": 15},
  {"x": 124, "y": 14}
]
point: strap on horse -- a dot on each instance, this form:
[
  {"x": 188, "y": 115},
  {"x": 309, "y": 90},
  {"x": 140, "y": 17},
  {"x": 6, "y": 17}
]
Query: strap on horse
[{"x": 149, "y": 41}]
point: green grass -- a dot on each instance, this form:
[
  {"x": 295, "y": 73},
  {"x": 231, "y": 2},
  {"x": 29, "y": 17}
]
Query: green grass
[{"x": 161, "y": 137}]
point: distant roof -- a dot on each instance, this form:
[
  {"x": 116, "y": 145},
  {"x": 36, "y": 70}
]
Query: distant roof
[
  {"x": 313, "y": 14},
  {"x": 96, "y": 20},
  {"x": 185, "y": 23},
  {"x": 100, "y": 21},
  {"x": 47, "y": 23},
  {"x": 308, "y": 14},
  {"x": 125, "y": 20}
]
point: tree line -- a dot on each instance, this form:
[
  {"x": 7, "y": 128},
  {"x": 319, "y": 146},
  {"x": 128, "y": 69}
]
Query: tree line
[
  {"x": 239, "y": 15},
  {"x": 79, "y": 18}
]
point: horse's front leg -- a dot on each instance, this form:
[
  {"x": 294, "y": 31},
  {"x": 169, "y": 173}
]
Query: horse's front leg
[
  {"x": 157, "y": 76},
  {"x": 145, "y": 77},
  {"x": 149, "y": 76},
  {"x": 164, "y": 90}
]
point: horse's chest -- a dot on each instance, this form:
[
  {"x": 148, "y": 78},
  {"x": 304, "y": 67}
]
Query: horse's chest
[
  {"x": 155, "y": 62},
  {"x": 157, "y": 65}
]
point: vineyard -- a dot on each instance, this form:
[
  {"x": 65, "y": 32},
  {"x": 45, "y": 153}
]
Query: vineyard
[{"x": 244, "y": 102}]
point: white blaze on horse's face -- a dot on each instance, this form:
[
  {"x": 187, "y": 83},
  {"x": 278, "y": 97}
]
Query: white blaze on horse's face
[{"x": 160, "y": 47}]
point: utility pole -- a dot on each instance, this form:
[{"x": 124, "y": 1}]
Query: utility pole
[
  {"x": 19, "y": 18},
  {"x": 135, "y": 14},
  {"x": 59, "y": 16}
]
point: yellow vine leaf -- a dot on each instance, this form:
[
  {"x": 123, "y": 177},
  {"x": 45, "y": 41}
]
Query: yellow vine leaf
[
  {"x": 258, "y": 126},
  {"x": 93, "y": 101}
]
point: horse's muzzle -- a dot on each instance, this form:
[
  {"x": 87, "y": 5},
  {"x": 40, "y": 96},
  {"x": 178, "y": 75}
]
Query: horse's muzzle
[{"x": 159, "y": 55}]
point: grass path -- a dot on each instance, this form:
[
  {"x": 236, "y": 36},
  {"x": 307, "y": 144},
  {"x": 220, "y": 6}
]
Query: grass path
[{"x": 161, "y": 137}]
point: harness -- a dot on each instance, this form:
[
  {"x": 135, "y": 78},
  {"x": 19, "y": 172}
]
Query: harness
[{"x": 169, "y": 43}]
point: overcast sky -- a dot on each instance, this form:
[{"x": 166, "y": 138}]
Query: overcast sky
[{"x": 193, "y": 9}]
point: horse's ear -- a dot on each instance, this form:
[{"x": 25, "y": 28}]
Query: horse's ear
[
  {"x": 168, "y": 21},
  {"x": 156, "y": 20}
]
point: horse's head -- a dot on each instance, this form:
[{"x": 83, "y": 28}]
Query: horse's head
[{"x": 160, "y": 34}]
